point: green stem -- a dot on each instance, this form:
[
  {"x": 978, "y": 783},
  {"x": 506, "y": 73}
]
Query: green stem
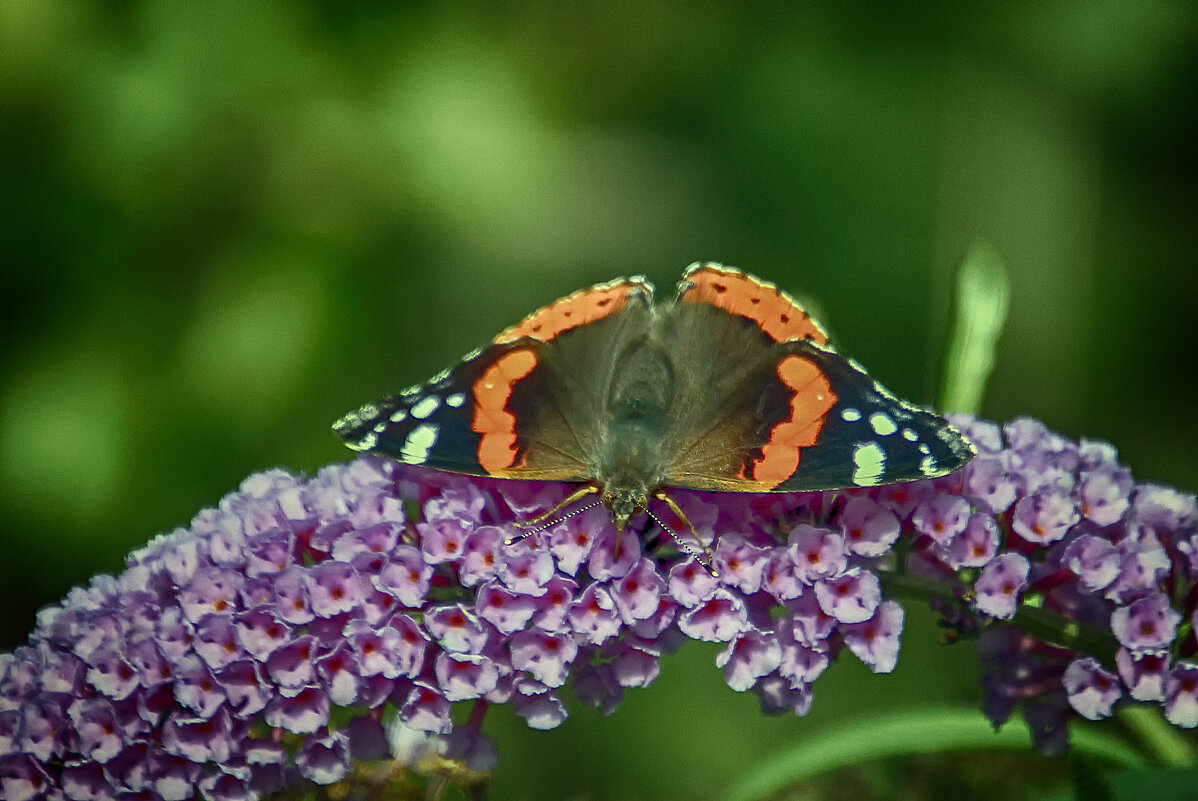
[
  {"x": 1042, "y": 623},
  {"x": 1159, "y": 737}
]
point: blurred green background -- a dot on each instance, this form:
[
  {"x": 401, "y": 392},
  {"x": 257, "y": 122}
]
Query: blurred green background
[{"x": 225, "y": 224}]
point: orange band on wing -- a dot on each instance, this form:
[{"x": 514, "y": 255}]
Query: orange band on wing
[
  {"x": 809, "y": 406},
  {"x": 497, "y": 449},
  {"x": 778, "y": 314},
  {"x": 572, "y": 311}
]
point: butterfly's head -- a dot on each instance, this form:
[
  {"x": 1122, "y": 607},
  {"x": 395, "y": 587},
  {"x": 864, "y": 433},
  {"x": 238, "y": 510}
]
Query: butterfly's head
[{"x": 624, "y": 503}]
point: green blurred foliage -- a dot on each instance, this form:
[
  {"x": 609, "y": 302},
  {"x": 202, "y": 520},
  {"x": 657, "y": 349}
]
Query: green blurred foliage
[{"x": 224, "y": 224}]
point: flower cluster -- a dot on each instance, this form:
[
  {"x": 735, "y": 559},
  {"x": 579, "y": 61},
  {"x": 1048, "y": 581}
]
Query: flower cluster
[
  {"x": 274, "y": 638},
  {"x": 1056, "y": 535}
]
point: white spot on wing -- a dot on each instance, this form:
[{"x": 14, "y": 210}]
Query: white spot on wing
[
  {"x": 426, "y": 407},
  {"x": 398, "y": 417},
  {"x": 882, "y": 425},
  {"x": 365, "y": 443},
  {"x": 850, "y": 415},
  {"x": 455, "y": 400},
  {"x": 929, "y": 466},
  {"x": 910, "y": 435},
  {"x": 416, "y": 446},
  {"x": 869, "y": 463},
  {"x": 380, "y": 427}
]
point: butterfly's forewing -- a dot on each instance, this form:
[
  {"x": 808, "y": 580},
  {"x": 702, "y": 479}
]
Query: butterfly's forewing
[
  {"x": 767, "y": 406},
  {"x": 520, "y": 408}
]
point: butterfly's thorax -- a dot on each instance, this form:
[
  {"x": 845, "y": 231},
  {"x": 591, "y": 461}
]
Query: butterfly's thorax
[{"x": 636, "y": 411}]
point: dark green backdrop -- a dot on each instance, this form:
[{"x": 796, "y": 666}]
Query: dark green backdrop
[{"x": 223, "y": 225}]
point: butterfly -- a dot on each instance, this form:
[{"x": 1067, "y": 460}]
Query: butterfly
[{"x": 732, "y": 387}]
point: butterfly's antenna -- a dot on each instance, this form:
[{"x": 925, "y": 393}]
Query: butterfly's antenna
[
  {"x": 551, "y": 518},
  {"x": 704, "y": 558}
]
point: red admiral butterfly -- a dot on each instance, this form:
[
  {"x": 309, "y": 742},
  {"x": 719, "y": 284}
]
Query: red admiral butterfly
[{"x": 732, "y": 387}]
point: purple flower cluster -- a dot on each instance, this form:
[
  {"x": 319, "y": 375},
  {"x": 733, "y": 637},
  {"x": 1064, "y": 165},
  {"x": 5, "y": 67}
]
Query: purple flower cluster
[
  {"x": 274, "y": 639},
  {"x": 1055, "y": 532}
]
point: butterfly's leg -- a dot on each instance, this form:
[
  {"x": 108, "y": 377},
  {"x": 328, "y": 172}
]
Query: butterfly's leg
[
  {"x": 538, "y": 523},
  {"x": 709, "y": 560}
]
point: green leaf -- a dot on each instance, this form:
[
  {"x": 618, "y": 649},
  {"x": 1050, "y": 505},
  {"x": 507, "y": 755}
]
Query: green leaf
[
  {"x": 983, "y": 291},
  {"x": 910, "y": 732}
]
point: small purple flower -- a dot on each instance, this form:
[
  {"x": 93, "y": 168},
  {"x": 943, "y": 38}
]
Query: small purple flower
[
  {"x": 196, "y": 688},
  {"x": 442, "y": 541},
  {"x": 111, "y": 674},
  {"x": 1149, "y": 623},
  {"x": 634, "y": 667},
  {"x": 526, "y": 571},
  {"x": 553, "y": 607},
  {"x": 614, "y": 554},
  {"x": 636, "y": 594},
  {"x": 991, "y": 480},
  {"x": 547, "y": 657},
  {"x": 690, "y": 584},
  {"x": 212, "y": 591},
  {"x": 1000, "y": 584},
  {"x": 975, "y": 546},
  {"x": 718, "y": 619},
  {"x": 1044, "y": 517},
  {"x": 1105, "y": 495},
  {"x": 741, "y": 564},
  {"x": 1143, "y": 563},
  {"x": 749, "y": 657},
  {"x": 810, "y": 624},
  {"x": 334, "y": 588},
  {"x": 1164, "y": 508},
  {"x": 817, "y": 552},
  {"x": 293, "y": 604},
  {"x": 200, "y": 739},
  {"x": 572, "y": 541},
  {"x": 851, "y": 598},
  {"x": 426, "y": 710},
  {"x": 324, "y": 760},
  {"x": 304, "y": 713},
  {"x": 480, "y": 556},
  {"x": 780, "y": 578},
  {"x": 456, "y": 628},
  {"x": 1181, "y": 696},
  {"x": 507, "y": 611},
  {"x": 941, "y": 517},
  {"x": 244, "y": 687},
  {"x": 869, "y": 528},
  {"x": 292, "y": 667},
  {"x": 1144, "y": 672},
  {"x": 270, "y": 553},
  {"x": 405, "y": 576},
  {"x": 597, "y": 685},
  {"x": 876, "y": 641},
  {"x": 1095, "y": 561},
  {"x": 594, "y": 616},
  {"x": 95, "y": 721},
  {"x": 465, "y": 676},
  {"x": 538, "y": 705},
  {"x": 1092, "y": 691}
]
